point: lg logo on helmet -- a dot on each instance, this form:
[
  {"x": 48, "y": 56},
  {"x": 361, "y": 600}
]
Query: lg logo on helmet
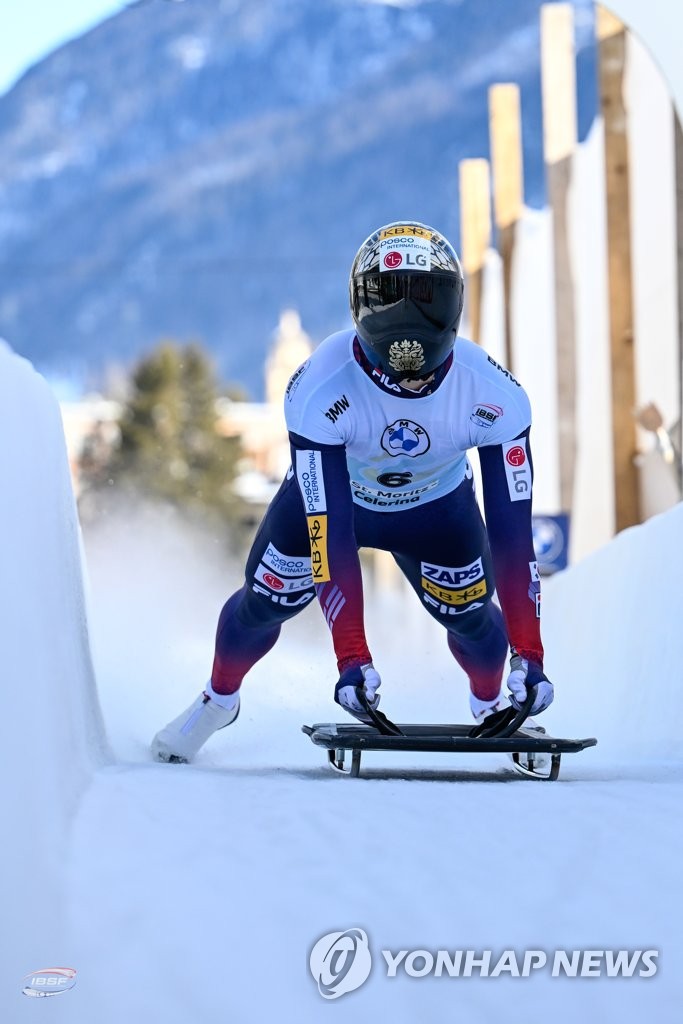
[
  {"x": 392, "y": 260},
  {"x": 517, "y": 470},
  {"x": 405, "y": 252},
  {"x": 408, "y": 260}
]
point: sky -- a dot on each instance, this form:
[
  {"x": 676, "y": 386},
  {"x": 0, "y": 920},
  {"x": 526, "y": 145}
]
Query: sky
[
  {"x": 31, "y": 29},
  {"x": 35, "y": 28}
]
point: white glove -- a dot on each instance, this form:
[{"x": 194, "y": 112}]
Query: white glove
[
  {"x": 526, "y": 675},
  {"x": 361, "y": 677}
]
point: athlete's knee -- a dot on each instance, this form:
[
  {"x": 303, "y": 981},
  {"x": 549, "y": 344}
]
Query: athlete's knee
[
  {"x": 480, "y": 642},
  {"x": 258, "y": 606},
  {"x": 483, "y": 622}
]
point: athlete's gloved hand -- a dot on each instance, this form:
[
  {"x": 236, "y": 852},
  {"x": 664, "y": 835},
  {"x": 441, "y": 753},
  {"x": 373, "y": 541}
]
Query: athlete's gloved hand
[
  {"x": 363, "y": 678},
  {"x": 526, "y": 675}
]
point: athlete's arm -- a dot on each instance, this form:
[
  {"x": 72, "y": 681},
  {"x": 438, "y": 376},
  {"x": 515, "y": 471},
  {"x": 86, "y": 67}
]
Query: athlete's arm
[
  {"x": 507, "y": 478},
  {"x": 323, "y": 480}
]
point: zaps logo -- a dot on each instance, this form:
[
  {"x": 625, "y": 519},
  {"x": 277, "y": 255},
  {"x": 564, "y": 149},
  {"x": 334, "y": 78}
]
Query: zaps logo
[
  {"x": 49, "y": 981},
  {"x": 340, "y": 962}
]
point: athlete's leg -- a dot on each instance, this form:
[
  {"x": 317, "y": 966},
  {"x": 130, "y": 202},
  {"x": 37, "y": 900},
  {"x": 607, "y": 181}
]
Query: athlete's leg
[
  {"x": 481, "y": 649},
  {"x": 278, "y": 584}
]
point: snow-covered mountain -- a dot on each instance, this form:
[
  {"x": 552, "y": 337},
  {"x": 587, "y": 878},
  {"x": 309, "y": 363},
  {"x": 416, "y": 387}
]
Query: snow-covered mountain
[
  {"x": 191, "y": 169},
  {"x": 196, "y": 893}
]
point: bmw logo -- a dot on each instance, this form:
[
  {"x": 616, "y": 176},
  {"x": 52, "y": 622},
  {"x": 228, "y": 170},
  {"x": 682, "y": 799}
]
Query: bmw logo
[
  {"x": 548, "y": 539},
  {"x": 404, "y": 437}
]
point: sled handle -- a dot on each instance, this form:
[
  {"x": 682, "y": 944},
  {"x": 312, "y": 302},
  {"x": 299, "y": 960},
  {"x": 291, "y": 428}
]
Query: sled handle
[
  {"x": 379, "y": 720},
  {"x": 506, "y": 722}
]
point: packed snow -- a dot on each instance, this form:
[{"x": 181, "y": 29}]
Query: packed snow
[{"x": 195, "y": 893}]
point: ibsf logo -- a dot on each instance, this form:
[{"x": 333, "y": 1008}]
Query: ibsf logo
[
  {"x": 49, "y": 981},
  {"x": 295, "y": 378},
  {"x": 340, "y": 962},
  {"x": 516, "y": 456},
  {"x": 485, "y": 415}
]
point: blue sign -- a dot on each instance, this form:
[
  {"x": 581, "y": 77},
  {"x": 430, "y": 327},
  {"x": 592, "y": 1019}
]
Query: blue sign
[{"x": 551, "y": 542}]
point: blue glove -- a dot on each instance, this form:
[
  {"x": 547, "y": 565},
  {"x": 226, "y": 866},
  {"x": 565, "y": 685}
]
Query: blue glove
[
  {"x": 358, "y": 677},
  {"x": 526, "y": 675}
]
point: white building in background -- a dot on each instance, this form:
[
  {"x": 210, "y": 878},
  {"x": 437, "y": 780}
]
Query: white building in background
[
  {"x": 261, "y": 425},
  {"x": 291, "y": 347}
]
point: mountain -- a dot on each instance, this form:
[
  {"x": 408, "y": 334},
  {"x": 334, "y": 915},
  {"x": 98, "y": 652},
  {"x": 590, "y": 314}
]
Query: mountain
[{"x": 189, "y": 169}]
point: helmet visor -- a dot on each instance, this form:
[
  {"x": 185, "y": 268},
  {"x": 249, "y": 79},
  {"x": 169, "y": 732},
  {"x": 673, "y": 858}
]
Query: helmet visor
[{"x": 430, "y": 301}]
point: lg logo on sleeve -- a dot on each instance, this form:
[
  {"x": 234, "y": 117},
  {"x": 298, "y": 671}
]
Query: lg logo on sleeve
[
  {"x": 516, "y": 456},
  {"x": 517, "y": 470}
]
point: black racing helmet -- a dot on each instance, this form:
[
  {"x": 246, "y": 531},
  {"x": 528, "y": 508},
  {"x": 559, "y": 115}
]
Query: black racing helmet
[{"x": 406, "y": 291}]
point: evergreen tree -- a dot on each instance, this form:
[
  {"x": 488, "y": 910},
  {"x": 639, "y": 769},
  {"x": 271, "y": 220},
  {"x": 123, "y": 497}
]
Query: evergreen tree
[{"x": 169, "y": 446}]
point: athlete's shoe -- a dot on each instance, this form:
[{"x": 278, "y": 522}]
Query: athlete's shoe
[
  {"x": 481, "y": 709},
  {"x": 180, "y": 740}
]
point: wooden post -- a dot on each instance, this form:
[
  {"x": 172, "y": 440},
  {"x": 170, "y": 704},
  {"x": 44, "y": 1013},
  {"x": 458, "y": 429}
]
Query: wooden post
[
  {"x": 612, "y": 58},
  {"x": 505, "y": 128},
  {"x": 558, "y": 69},
  {"x": 475, "y": 234},
  {"x": 678, "y": 143}
]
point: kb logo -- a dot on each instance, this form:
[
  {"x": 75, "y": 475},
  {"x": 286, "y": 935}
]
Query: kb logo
[{"x": 340, "y": 962}]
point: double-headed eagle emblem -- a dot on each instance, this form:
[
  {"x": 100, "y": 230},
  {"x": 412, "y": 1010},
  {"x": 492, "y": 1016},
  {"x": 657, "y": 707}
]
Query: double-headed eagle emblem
[{"x": 406, "y": 355}]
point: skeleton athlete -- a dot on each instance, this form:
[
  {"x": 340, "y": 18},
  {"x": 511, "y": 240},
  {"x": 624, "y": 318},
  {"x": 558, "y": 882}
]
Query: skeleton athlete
[{"x": 380, "y": 420}]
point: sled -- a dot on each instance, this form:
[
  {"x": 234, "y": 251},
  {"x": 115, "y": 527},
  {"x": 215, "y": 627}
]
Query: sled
[{"x": 340, "y": 739}]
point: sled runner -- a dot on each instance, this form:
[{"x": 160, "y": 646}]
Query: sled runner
[{"x": 502, "y": 733}]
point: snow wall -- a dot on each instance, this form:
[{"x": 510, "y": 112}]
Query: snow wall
[
  {"x": 52, "y": 733},
  {"x": 614, "y": 646}
]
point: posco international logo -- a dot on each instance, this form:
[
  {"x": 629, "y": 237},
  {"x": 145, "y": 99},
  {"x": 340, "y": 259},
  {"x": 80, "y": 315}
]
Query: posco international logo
[
  {"x": 340, "y": 962},
  {"x": 312, "y": 486}
]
